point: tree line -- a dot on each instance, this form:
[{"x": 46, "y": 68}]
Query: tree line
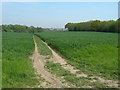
[
  {"x": 97, "y": 25},
  {"x": 20, "y": 28}
]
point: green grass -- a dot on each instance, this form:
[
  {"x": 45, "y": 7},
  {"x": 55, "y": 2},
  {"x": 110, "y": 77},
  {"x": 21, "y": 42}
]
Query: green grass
[
  {"x": 98, "y": 84},
  {"x": 42, "y": 48},
  {"x": 91, "y": 52},
  {"x": 17, "y": 69}
]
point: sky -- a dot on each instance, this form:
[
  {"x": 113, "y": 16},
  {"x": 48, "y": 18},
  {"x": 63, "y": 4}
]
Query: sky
[
  {"x": 60, "y": 0},
  {"x": 57, "y": 14}
]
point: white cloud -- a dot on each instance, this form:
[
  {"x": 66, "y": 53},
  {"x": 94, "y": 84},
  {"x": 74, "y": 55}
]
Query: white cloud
[{"x": 60, "y": 0}]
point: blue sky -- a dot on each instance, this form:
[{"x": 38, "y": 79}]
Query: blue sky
[{"x": 57, "y": 14}]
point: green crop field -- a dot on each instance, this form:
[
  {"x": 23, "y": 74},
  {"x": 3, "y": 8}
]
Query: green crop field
[
  {"x": 17, "y": 70},
  {"x": 94, "y": 53}
]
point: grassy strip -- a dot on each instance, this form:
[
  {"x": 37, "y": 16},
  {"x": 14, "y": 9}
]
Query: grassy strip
[
  {"x": 17, "y": 69},
  {"x": 56, "y": 69},
  {"x": 42, "y": 48}
]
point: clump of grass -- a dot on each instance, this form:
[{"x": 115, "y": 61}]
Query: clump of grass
[
  {"x": 42, "y": 48},
  {"x": 98, "y": 84}
]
